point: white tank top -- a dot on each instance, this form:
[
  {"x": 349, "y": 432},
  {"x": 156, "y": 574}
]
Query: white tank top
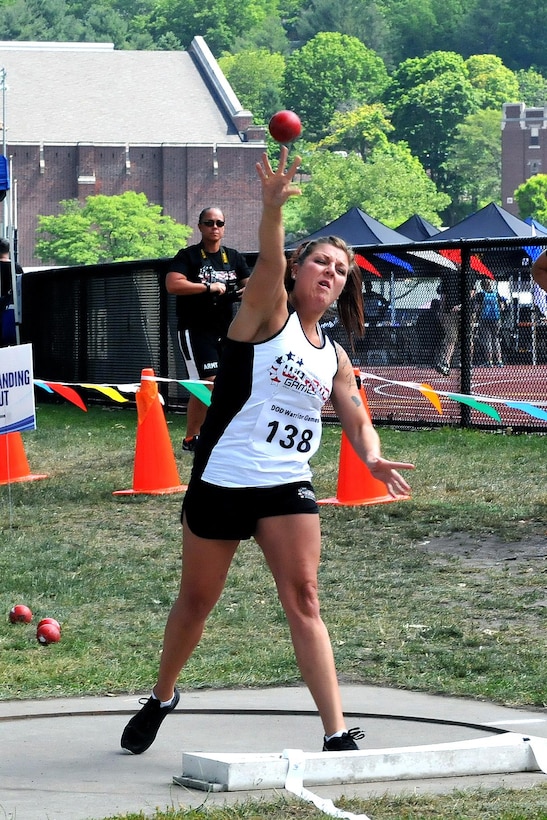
[{"x": 264, "y": 423}]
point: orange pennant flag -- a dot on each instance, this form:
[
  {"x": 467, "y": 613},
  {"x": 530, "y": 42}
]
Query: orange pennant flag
[{"x": 427, "y": 391}]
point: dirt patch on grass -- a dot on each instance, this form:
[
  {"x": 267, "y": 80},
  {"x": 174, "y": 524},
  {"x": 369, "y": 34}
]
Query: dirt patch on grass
[{"x": 489, "y": 550}]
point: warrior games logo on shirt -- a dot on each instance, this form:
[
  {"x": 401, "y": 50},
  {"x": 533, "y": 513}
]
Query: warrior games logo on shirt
[{"x": 290, "y": 373}]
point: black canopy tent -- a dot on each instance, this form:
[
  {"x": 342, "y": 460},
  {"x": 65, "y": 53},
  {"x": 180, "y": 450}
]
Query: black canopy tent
[
  {"x": 417, "y": 228},
  {"x": 487, "y": 223},
  {"x": 358, "y": 229}
]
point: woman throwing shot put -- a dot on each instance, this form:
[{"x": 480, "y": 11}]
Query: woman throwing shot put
[{"x": 251, "y": 474}]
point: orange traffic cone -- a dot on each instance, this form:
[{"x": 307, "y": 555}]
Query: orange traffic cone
[
  {"x": 356, "y": 484},
  {"x": 13, "y": 460},
  {"x": 155, "y": 471}
]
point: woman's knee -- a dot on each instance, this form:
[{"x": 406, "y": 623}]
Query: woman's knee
[
  {"x": 191, "y": 607},
  {"x": 301, "y": 600}
]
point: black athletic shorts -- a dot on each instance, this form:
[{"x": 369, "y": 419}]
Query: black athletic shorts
[
  {"x": 201, "y": 351},
  {"x": 232, "y": 514}
]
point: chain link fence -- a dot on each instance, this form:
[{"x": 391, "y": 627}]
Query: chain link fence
[{"x": 430, "y": 354}]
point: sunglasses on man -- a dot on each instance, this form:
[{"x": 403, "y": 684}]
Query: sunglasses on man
[{"x": 212, "y": 222}]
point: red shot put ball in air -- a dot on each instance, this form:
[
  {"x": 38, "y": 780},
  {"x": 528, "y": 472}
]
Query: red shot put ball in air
[
  {"x": 48, "y": 633},
  {"x": 285, "y": 126},
  {"x": 20, "y": 614}
]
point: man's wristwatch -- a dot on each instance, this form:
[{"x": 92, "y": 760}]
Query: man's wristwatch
[{"x": 208, "y": 286}]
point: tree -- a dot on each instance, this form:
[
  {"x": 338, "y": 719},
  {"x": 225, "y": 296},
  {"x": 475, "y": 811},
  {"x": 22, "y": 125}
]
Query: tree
[
  {"x": 494, "y": 83},
  {"x": 473, "y": 164},
  {"x": 108, "y": 229},
  {"x": 220, "y": 23},
  {"x": 395, "y": 186},
  {"x": 479, "y": 30},
  {"x": 413, "y": 27},
  {"x": 532, "y": 87},
  {"x": 429, "y": 98},
  {"x": 390, "y": 186},
  {"x": 331, "y": 72},
  {"x": 358, "y": 130},
  {"x": 31, "y": 19},
  {"x": 269, "y": 34},
  {"x": 257, "y": 79},
  {"x": 519, "y": 41},
  {"x": 364, "y": 19},
  {"x": 531, "y": 198}
]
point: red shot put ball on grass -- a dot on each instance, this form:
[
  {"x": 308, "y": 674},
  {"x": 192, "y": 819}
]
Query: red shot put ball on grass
[
  {"x": 285, "y": 126},
  {"x": 48, "y": 633},
  {"x": 20, "y": 614}
]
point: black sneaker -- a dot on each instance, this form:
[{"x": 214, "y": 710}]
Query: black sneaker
[
  {"x": 345, "y": 743},
  {"x": 443, "y": 369},
  {"x": 141, "y": 731},
  {"x": 189, "y": 444}
]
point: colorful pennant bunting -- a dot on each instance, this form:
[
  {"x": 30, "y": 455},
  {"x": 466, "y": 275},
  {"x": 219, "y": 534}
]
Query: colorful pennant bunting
[{"x": 201, "y": 390}]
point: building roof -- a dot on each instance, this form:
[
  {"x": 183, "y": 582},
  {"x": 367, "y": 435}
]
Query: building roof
[{"x": 65, "y": 93}]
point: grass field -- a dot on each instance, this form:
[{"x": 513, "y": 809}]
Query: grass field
[{"x": 443, "y": 593}]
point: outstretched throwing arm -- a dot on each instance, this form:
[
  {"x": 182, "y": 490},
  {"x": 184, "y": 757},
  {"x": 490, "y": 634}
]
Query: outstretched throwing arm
[{"x": 264, "y": 304}]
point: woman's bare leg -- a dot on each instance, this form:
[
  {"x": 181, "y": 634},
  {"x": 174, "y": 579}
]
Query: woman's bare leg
[
  {"x": 292, "y": 546},
  {"x": 205, "y": 567}
]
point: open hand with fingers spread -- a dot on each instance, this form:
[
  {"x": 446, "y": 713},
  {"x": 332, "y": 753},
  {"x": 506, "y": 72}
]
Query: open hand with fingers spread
[
  {"x": 277, "y": 185},
  {"x": 387, "y": 471}
]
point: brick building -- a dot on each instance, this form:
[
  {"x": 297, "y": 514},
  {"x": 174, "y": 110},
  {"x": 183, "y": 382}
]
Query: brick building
[
  {"x": 523, "y": 148},
  {"x": 84, "y": 119}
]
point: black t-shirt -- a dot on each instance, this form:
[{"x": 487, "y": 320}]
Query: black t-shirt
[
  {"x": 6, "y": 290},
  {"x": 209, "y": 311},
  {"x": 5, "y": 277}
]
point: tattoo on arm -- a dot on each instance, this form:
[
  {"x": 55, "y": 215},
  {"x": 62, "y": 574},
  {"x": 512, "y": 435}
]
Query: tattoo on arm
[{"x": 350, "y": 378}]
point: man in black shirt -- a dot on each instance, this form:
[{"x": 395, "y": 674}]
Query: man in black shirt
[{"x": 207, "y": 279}]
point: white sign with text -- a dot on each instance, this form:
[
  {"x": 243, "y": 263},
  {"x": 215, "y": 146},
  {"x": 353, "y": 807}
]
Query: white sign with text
[{"x": 17, "y": 408}]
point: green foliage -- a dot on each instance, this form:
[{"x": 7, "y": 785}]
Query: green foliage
[
  {"x": 359, "y": 130},
  {"x": 220, "y": 23},
  {"x": 531, "y": 198},
  {"x": 532, "y": 87},
  {"x": 108, "y": 229},
  {"x": 391, "y": 185},
  {"x": 334, "y": 188},
  {"x": 364, "y": 19},
  {"x": 518, "y": 39},
  {"x": 429, "y": 98},
  {"x": 257, "y": 79},
  {"x": 421, "y": 70},
  {"x": 330, "y": 73},
  {"x": 395, "y": 29},
  {"x": 473, "y": 165},
  {"x": 495, "y": 83},
  {"x": 395, "y": 186},
  {"x": 29, "y": 19},
  {"x": 413, "y": 27}
]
